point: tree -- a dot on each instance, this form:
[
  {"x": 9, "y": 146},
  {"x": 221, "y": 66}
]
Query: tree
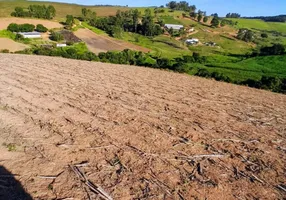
[
  {"x": 19, "y": 37},
  {"x": 148, "y": 23},
  {"x": 55, "y": 36},
  {"x": 84, "y": 12},
  {"x": 205, "y": 19},
  {"x": 26, "y": 27},
  {"x": 70, "y": 21},
  {"x": 41, "y": 28},
  {"x": 200, "y": 17},
  {"x": 264, "y": 35},
  {"x": 172, "y": 4},
  {"x": 276, "y": 49},
  {"x": 215, "y": 22},
  {"x": 13, "y": 27},
  {"x": 223, "y": 23},
  {"x": 245, "y": 35},
  {"x": 135, "y": 17},
  {"x": 171, "y": 31}
]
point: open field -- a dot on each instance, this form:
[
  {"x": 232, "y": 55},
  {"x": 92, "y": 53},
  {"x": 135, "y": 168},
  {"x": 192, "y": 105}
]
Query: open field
[
  {"x": 261, "y": 25},
  {"x": 12, "y": 46},
  {"x": 4, "y": 22},
  {"x": 101, "y": 43},
  {"x": 138, "y": 133}
]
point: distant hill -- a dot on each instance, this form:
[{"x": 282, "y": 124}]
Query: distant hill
[{"x": 278, "y": 18}]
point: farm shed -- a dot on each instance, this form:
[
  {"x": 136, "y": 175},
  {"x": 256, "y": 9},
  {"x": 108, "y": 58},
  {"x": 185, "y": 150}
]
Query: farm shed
[
  {"x": 174, "y": 26},
  {"x": 31, "y": 34}
]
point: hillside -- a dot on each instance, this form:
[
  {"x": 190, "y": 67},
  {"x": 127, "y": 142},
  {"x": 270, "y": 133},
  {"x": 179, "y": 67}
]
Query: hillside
[
  {"x": 63, "y": 9},
  {"x": 136, "y": 133}
]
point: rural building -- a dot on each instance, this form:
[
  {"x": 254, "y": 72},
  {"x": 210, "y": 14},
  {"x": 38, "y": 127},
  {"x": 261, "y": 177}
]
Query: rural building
[
  {"x": 192, "y": 41},
  {"x": 31, "y": 34},
  {"x": 174, "y": 26},
  {"x": 191, "y": 30},
  {"x": 61, "y": 45}
]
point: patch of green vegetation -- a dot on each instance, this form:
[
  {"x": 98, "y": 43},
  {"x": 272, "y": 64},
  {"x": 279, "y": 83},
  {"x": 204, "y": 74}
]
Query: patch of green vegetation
[
  {"x": 7, "y": 34},
  {"x": 261, "y": 25},
  {"x": 79, "y": 47},
  {"x": 10, "y": 146},
  {"x": 95, "y": 30},
  {"x": 161, "y": 46},
  {"x": 251, "y": 68},
  {"x": 167, "y": 19}
]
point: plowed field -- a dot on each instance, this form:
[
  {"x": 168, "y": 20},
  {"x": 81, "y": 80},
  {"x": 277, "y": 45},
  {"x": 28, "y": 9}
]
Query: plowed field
[{"x": 137, "y": 133}]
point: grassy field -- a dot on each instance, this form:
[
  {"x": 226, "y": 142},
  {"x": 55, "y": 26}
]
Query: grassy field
[
  {"x": 7, "y": 34},
  {"x": 261, "y": 25},
  {"x": 251, "y": 68},
  {"x": 160, "y": 45}
]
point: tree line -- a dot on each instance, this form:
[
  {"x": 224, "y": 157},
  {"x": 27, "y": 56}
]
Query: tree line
[
  {"x": 233, "y": 15},
  {"x": 13, "y": 27},
  {"x": 129, "y": 21},
  {"x": 279, "y": 18},
  {"x": 182, "y": 5},
  {"x": 36, "y": 11}
]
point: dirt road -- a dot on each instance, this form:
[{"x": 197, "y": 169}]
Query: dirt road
[
  {"x": 12, "y": 46},
  {"x": 136, "y": 132},
  {"x": 100, "y": 43}
]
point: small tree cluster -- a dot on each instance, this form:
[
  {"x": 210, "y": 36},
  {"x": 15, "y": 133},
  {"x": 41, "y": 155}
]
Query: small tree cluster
[
  {"x": 13, "y": 27},
  {"x": 276, "y": 49},
  {"x": 130, "y": 21},
  {"x": 215, "y": 22},
  {"x": 182, "y": 5},
  {"x": 37, "y": 11},
  {"x": 56, "y": 36},
  {"x": 232, "y": 15},
  {"x": 245, "y": 35},
  {"x": 41, "y": 28}
]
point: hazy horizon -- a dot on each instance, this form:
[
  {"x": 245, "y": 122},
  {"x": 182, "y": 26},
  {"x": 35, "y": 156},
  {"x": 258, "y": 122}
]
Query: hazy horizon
[{"x": 222, "y": 7}]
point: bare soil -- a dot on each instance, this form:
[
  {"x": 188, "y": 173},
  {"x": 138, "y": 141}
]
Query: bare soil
[
  {"x": 100, "y": 43},
  {"x": 12, "y": 46},
  {"x": 137, "y": 133},
  {"x": 4, "y": 22}
]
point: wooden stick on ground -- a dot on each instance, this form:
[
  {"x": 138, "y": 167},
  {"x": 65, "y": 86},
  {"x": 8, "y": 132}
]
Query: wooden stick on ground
[{"x": 94, "y": 188}]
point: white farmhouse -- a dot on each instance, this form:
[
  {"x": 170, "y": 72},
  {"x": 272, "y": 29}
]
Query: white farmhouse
[
  {"x": 176, "y": 27},
  {"x": 31, "y": 34}
]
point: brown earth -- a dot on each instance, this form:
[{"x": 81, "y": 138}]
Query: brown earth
[
  {"x": 4, "y": 22},
  {"x": 12, "y": 46},
  {"x": 100, "y": 43},
  {"x": 138, "y": 133}
]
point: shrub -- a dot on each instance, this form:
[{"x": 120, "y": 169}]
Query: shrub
[
  {"x": 41, "y": 28},
  {"x": 55, "y": 36},
  {"x": 4, "y": 51},
  {"x": 26, "y": 27},
  {"x": 264, "y": 35},
  {"x": 19, "y": 37},
  {"x": 13, "y": 27}
]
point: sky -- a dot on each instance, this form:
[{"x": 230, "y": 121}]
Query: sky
[{"x": 222, "y": 7}]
